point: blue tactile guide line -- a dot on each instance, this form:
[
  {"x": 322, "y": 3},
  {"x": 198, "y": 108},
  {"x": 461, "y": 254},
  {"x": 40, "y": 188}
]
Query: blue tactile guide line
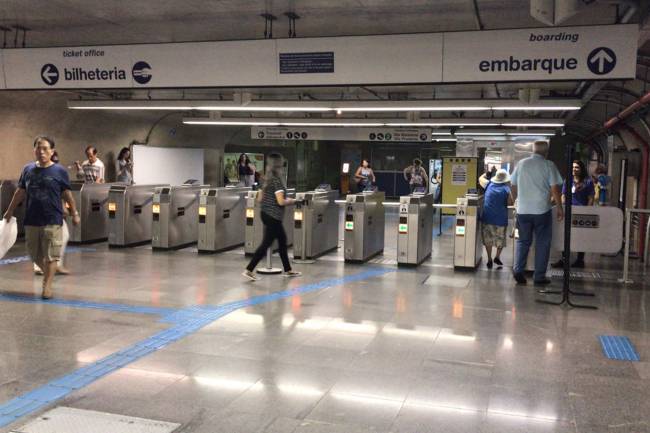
[
  {"x": 184, "y": 322},
  {"x": 617, "y": 347}
]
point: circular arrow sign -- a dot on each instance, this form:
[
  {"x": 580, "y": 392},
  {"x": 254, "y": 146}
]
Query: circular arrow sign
[
  {"x": 50, "y": 74},
  {"x": 601, "y": 61}
]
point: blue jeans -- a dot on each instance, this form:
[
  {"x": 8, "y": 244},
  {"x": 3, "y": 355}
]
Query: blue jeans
[{"x": 541, "y": 228}]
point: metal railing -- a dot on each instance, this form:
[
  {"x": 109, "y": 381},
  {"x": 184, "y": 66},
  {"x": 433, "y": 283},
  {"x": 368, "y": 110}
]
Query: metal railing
[{"x": 626, "y": 248}]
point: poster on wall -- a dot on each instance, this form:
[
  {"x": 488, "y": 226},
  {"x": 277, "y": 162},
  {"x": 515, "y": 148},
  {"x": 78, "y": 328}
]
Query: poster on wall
[
  {"x": 459, "y": 174},
  {"x": 230, "y": 169}
]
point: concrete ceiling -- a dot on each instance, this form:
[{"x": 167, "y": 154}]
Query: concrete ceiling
[
  {"x": 97, "y": 22},
  {"x": 102, "y": 22}
]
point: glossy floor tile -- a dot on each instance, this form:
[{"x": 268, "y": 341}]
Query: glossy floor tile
[{"x": 423, "y": 349}]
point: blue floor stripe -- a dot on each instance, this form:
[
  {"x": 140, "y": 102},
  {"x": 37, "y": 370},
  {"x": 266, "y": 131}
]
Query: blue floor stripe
[
  {"x": 185, "y": 322},
  {"x": 122, "y": 308},
  {"x": 21, "y": 259},
  {"x": 618, "y": 347}
]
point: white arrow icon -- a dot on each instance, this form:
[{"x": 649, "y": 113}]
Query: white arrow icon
[
  {"x": 602, "y": 58},
  {"x": 48, "y": 75}
]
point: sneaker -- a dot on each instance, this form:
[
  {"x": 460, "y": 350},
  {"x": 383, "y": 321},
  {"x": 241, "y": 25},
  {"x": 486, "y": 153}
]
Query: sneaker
[
  {"x": 250, "y": 275},
  {"x": 520, "y": 279},
  {"x": 558, "y": 264},
  {"x": 292, "y": 274},
  {"x": 578, "y": 264},
  {"x": 498, "y": 262},
  {"x": 544, "y": 282},
  {"x": 489, "y": 264}
]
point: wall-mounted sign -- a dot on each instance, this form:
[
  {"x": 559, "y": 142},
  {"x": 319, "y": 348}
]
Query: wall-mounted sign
[
  {"x": 540, "y": 54},
  {"x": 342, "y": 134}
]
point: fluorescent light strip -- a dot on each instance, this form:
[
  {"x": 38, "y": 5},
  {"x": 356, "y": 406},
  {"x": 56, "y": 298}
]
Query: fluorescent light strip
[
  {"x": 326, "y": 106},
  {"x": 282, "y": 123},
  {"x": 441, "y": 123},
  {"x": 547, "y": 125},
  {"x": 539, "y": 108},
  {"x": 407, "y": 108}
]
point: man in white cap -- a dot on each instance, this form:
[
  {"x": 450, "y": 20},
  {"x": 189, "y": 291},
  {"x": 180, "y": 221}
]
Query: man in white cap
[
  {"x": 494, "y": 219},
  {"x": 534, "y": 181}
]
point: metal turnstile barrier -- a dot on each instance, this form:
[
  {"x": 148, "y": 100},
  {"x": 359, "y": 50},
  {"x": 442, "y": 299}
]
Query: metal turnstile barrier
[
  {"x": 129, "y": 214},
  {"x": 467, "y": 232},
  {"x": 415, "y": 229},
  {"x": 221, "y": 212},
  {"x": 255, "y": 227},
  {"x": 7, "y": 190},
  {"x": 316, "y": 224},
  {"x": 364, "y": 226},
  {"x": 92, "y": 203},
  {"x": 174, "y": 216}
]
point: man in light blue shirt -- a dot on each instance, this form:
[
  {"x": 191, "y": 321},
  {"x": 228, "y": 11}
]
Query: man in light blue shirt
[{"x": 534, "y": 181}]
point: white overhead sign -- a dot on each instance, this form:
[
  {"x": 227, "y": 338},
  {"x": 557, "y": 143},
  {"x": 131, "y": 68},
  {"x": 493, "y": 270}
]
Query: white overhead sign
[
  {"x": 342, "y": 134},
  {"x": 560, "y": 53}
]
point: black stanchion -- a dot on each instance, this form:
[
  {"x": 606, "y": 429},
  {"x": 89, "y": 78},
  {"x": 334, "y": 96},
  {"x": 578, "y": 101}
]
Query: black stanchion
[{"x": 566, "y": 291}]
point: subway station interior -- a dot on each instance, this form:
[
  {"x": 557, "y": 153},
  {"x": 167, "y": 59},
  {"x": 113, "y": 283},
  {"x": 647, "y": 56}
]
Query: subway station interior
[{"x": 453, "y": 193}]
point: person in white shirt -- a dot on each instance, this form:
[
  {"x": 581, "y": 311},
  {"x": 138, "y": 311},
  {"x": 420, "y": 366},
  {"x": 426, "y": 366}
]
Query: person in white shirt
[{"x": 92, "y": 169}]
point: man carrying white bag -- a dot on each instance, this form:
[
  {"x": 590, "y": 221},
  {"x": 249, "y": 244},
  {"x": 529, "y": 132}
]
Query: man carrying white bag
[
  {"x": 8, "y": 235},
  {"x": 44, "y": 184}
]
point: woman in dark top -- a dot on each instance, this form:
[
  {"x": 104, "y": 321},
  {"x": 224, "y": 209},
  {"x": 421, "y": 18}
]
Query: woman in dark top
[
  {"x": 582, "y": 194},
  {"x": 273, "y": 199},
  {"x": 246, "y": 170}
]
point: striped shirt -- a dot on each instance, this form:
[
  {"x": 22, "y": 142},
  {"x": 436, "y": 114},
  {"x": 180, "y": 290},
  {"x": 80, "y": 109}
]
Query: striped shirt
[{"x": 270, "y": 204}]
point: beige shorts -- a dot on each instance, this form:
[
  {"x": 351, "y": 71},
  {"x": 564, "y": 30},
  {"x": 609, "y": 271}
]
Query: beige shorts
[
  {"x": 493, "y": 235},
  {"x": 44, "y": 243}
]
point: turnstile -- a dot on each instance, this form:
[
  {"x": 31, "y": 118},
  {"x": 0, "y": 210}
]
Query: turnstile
[
  {"x": 174, "y": 216},
  {"x": 129, "y": 214},
  {"x": 364, "y": 226},
  {"x": 415, "y": 229},
  {"x": 221, "y": 213},
  {"x": 467, "y": 232},
  {"x": 92, "y": 204},
  {"x": 254, "y": 226},
  {"x": 7, "y": 190},
  {"x": 316, "y": 224}
]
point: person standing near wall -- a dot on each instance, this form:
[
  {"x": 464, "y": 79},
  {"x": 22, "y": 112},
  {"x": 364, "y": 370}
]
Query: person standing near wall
[
  {"x": 44, "y": 185},
  {"x": 534, "y": 181},
  {"x": 125, "y": 166},
  {"x": 364, "y": 176},
  {"x": 273, "y": 198},
  {"x": 92, "y": 169},
  {"x": 416, "y": 176},
  {"x": 246, "y": 170},
  {"x": 582, "y": 194}
]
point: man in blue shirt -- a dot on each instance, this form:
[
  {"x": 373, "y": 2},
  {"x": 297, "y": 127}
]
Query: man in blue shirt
[
  {"x": 44, "y": 184},
  {"x": 534, "y": 181}
]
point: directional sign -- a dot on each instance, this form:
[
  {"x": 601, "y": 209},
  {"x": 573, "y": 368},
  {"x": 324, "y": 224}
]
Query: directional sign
[
  {"x": 601, "y": 61},
  {"x": 50, "y": 74}
]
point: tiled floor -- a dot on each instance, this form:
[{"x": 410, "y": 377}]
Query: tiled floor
[{"x": 412, "y": 351}]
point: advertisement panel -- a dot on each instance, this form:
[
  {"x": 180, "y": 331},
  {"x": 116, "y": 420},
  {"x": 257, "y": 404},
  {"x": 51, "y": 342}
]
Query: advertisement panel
[{"x": 230, "y": 167}]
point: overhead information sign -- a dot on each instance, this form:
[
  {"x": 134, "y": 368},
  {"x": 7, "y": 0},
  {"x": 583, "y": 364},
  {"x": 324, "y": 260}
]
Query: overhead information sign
[
  {"x": 560, "y": 53},
  {"x": 569, "y": 53},
  {"x": 341, "y": 134}
]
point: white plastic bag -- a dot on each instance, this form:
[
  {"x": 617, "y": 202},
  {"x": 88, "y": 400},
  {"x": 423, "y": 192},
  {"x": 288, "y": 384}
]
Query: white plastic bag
[{"x": 8, "y": 235}]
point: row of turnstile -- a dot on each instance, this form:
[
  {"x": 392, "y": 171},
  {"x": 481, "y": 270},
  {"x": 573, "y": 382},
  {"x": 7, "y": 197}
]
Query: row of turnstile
[{"x": 172, "y": 217}]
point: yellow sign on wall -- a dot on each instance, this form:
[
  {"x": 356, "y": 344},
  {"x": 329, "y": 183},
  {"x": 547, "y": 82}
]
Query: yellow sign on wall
[{"x": 458, "y": 176}]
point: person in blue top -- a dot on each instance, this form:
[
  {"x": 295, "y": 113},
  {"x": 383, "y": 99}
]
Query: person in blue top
[
  {"x": 44, "y": 184},
  {"x": 582, "y": 194},
  {"x": 494, "y": 219}
]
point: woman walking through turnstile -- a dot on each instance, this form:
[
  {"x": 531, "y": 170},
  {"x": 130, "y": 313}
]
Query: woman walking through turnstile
[{"x": 273, "y": 199}]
